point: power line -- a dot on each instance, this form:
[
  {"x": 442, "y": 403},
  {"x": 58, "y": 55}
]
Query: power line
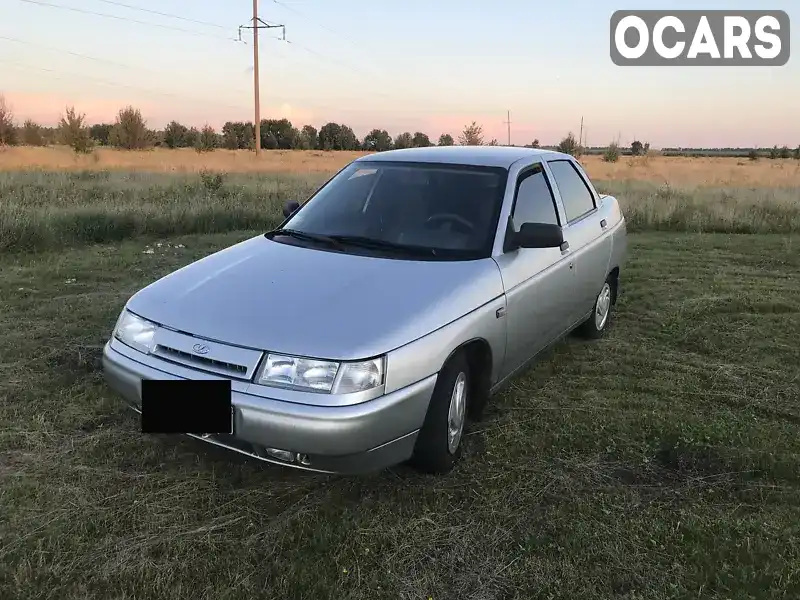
[
  {"x": 126, "y": 19},
  {"x": 317, "y": 23},
  {"x": 163, "y": 14},
  {"x": 118, "y": 85},
  {"x": 88, "y": 57}
]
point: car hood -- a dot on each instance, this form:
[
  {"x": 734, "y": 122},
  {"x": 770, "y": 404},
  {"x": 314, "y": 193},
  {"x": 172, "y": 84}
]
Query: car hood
[{"x": 284, "y": 298}]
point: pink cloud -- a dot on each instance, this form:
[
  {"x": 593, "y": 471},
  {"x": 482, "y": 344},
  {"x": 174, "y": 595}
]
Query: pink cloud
[{"x": 46, "y": 109}]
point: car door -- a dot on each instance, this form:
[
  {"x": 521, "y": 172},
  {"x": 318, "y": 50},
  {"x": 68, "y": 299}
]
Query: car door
[
  {"x": 589, "y": 244},
  {"x": 538, "y": 282}
]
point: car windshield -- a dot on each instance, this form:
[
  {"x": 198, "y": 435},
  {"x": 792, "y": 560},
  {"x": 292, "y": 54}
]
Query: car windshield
[{"x": 401, "y": 209}]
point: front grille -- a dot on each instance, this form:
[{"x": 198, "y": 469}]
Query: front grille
[{"x": 201, "y": 361}]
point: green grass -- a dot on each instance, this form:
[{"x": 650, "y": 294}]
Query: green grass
[
  {"x": 43, "y": 211},
  {"x": 660, "y": 462}
]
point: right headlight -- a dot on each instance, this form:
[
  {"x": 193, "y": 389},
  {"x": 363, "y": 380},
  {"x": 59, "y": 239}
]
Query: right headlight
[
  {"x": 316, "y": 375},
  {"x": 136, "y": 332}
]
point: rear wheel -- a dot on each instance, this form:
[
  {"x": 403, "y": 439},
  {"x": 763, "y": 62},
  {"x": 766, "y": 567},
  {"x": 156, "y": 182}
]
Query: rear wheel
[
  {"x": 438, "y": 445},
  {"x": 598, "y": 322}
]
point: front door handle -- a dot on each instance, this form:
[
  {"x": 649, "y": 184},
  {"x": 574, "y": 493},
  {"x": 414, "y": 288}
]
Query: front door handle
[{"x": 603, "y": 223}]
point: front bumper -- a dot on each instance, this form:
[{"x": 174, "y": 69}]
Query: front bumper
[{"x": 365, "y": 437}]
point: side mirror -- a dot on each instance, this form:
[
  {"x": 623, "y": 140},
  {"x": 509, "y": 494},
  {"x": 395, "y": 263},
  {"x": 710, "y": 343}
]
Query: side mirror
[
  {"x": 290, "y": 207},
  {"x": 538, "y": 235}
]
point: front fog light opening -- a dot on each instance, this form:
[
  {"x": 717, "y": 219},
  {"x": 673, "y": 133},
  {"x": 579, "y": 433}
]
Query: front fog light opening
[{"x": 285, "y": 456}]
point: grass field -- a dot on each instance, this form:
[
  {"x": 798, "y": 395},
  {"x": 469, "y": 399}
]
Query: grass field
[{"x": 660, "y": 462}]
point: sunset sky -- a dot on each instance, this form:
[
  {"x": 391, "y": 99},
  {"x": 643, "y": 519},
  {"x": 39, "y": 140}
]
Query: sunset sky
[{"x": 400, "y": 65}]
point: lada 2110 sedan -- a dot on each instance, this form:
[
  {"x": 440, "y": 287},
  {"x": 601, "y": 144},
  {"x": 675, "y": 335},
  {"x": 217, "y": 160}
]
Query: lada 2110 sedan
[{"x": 386, "y": 310}]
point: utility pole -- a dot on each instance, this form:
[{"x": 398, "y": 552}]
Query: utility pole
[
  {"x": 580, "y": 135},
  {"x": 508, "y": 123},
  {"x": 258, "y": 24}
]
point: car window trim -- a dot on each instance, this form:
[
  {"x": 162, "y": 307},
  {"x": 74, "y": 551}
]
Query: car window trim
[
  {"x": 529, "y": 171},
  {"x": 589, "y": 212}
]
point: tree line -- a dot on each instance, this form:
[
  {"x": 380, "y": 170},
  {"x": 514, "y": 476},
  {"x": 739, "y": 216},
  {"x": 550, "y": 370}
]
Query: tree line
[{"x": 129, "y": 131}]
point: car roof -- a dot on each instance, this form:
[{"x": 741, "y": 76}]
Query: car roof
[{"x": 487, "y": 156}]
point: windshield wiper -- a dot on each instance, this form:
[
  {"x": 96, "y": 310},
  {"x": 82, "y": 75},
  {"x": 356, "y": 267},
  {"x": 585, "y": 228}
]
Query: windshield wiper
[
  {"x": 302, "y": 235},
  {"x": 373, "y": 244}
]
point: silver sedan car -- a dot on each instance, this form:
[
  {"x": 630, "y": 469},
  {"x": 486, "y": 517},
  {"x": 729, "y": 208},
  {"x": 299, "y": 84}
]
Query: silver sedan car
[{"x": 384, "y": 312}]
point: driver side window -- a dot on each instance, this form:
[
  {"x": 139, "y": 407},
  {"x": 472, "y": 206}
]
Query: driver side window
[{"x": 534, "y": 202}]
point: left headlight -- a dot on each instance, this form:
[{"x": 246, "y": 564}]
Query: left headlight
[
  {"x": 135, "y": 332},
  {"x": 322, "y": 375}
]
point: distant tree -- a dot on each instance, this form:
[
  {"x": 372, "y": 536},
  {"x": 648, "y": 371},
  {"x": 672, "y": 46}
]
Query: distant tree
[
  {"x": 773, "y": 153},
  {"x": 535, "y": 143},
  {"x": 636, "y": 148},
  {"x": 8, "y": 131},
  {"x": 472, "y": 135},
  {"x": 446, "y": 140},
  {"x": 309, "y": 138},
  {"x": 130, "y": 130},
  {"x": 612, "y": 153},
  {"x": 207, "y": 140},
  {"x": 797, "y": 153},
  {"x": 175, "y": 135},
  {"x": 646, "y": 148},
  {"x": 421, "y": 140},
  {"x": 73, "y": 131},
  {"x": 785, "y": 152},
  {"x": 333, "y": 136},
  {"x": 190, "y": 137},
  {"x": 377, "y": 140},
  {"x": 329, "y": 136},
  {"x": 238, "y": 135},
  {"x": 101, "y": 133},
  {"x": 752, "y": 155},
  {"x": 493, "y": 142},
  {"x": 282, "y": 130},
  {"x": 268, "y": 140},
  {"x": 569, "y": 145},
  {"x": 349, "y": 139},
  {"x": 32, "y": 134},
  {"x": 404, "y": 140}
]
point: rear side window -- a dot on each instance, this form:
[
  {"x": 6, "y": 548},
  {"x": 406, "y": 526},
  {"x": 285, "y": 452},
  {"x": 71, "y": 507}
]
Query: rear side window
[
  {"x": 575, "y": 194},
  {"x": 534, "y": 202}
]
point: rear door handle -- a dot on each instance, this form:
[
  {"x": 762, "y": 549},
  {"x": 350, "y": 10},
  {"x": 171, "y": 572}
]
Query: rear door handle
[{"x": 603, "y": 223}]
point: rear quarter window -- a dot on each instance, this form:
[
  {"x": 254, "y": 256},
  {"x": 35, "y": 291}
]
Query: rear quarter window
[{"x": 575, "y": 194}]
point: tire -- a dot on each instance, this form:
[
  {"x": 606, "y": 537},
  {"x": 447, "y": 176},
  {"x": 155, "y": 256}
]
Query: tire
[
  {"x": 437, "y": 450},
  {"x": 596, "y": 325}
]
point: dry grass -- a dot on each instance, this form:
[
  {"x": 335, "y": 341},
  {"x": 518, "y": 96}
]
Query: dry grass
[
  {"x": 676, "y": 171},
  {"x": 184, "y": 160}
]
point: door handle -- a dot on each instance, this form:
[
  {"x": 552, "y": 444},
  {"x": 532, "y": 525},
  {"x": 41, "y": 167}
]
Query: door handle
[{"x": 603, "y": 223}]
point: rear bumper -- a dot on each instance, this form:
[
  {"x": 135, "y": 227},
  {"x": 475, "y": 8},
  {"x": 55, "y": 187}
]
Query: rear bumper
[{"x": 361, "y": 438}]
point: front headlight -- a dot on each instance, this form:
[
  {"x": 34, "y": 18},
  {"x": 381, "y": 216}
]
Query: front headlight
[
  {"x": 321, "y": 375},
  {"x": 135, "y": 332}
]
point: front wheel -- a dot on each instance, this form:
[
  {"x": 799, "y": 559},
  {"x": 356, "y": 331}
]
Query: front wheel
[
  {"x": 597, "y": 323},
  {"x": 438, "y": 445}
]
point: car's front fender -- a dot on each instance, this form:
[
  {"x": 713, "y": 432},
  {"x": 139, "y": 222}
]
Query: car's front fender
[{"x": 425, "y": 356}]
